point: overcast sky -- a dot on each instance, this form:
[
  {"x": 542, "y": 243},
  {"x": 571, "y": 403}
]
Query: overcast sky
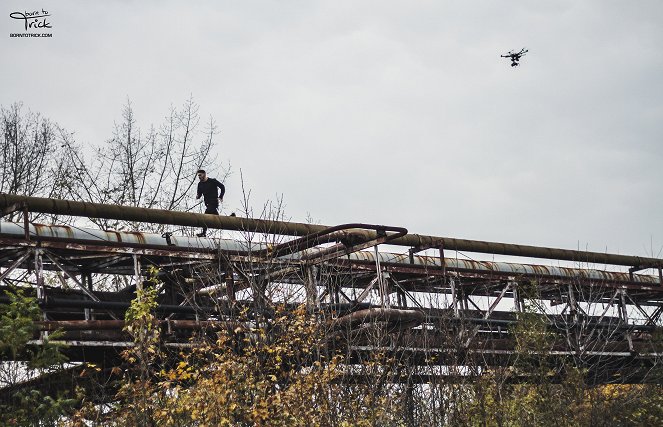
[{"x": 399, "y": 113}]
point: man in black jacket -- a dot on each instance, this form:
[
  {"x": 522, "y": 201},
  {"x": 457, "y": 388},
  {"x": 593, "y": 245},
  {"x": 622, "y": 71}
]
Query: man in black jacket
[{"x": 207, "y": 187}]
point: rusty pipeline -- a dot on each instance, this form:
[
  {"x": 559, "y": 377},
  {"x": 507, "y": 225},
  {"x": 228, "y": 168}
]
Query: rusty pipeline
[
  {"x": 160, "y": 216},
  {"x": 348, "y": 234}
]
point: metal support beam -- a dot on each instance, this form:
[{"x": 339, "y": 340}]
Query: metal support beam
[
  {"x": 312, "y": 300},
  {"x": 15, "y": 264},
  {"x": 70, "y": 275}
]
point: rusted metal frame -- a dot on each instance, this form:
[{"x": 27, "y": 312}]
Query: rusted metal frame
[
  {"x": 573, "y": 302},
  {"x": 370, "y": 266},
  {"x": 22, "y": 277},
  {"x": 237, "y": 286},
  {"x": 19, "y": 206},
  {"x": 467, "y": 300},
  {"x": 339, "y": 291},
  {"x": 364, "y": 293},
  {"x": 644, "y": 313},
  {"x": 435, "y": 270},
  {"x": 314, "y": 239},
  {"x": 404, "y": 294},
  {"x": 15, "y": 207},
  {"x": 497, "y": 301},
  {"x": 278, "y": 273},
  {"x": 109, "y": 261},
  {"x": 87, "y": 291},
  {"x": 9, "y": 254},
  {"x": 382, "y": 289},
  {"x": 487, "y": 313},
  {"x": 86, "y": 279},
  {"x": 188, "y": 263},
  {"x": 110, "y": 247},
  {"x": 454, "y": 296},
  {"x": 39, "y": 281},
  {"x": 636, "y": 286},
  {"x": 312, "y": 300},
  {"x": 435, "y": 243},
  {"x": 382, "y": 237},
  {"x": 655, "y": 266},
  {"x": 126, "y": 249},
  {"x": 609, "y": 305},
  {"x": 657, "y": 314},
  {"x": 401, "y": 299},
  {"x": 62, "y": 280},
  {"x": 517, "y": 302},
  {"x": 39, "y": 274},
  {"x": 15, "y": 264},
  {"x": 72, "y": 276}
]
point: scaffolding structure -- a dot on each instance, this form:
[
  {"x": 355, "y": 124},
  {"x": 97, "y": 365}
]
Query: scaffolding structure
[{"x": 436, "y": 307}]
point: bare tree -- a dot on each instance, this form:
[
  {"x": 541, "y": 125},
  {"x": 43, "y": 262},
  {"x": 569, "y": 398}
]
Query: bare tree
[
  {"x": 33, "y": 160},
  {"x": 153, "y": 169}
]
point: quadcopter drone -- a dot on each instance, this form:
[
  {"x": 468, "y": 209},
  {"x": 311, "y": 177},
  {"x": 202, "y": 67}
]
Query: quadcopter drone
[{"x": 515, "y": 56}]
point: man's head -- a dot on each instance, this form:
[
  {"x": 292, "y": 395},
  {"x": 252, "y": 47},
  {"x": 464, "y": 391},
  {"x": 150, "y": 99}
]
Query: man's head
[{"x": 201, "y": 175}]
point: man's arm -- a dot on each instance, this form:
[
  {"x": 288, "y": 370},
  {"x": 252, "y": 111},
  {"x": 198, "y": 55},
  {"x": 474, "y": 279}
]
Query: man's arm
[
  {"x": 199, "y": 192},
  {"x": 221, "y": 187}
]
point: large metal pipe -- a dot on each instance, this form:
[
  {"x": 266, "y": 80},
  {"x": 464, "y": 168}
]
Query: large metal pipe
[
  {"x": 85, "y": 235},
  {"x": 160, "y": 216}
]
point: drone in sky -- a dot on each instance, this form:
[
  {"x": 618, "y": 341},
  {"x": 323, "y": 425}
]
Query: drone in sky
[{"x": 515, "y": 56}]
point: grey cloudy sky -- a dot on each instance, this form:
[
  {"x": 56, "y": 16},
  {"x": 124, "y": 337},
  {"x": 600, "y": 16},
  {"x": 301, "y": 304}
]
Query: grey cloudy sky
[{"x": 399, "y": 113}]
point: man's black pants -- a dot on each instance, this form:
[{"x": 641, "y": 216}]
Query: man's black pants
[{"x": 210, "y": 209}]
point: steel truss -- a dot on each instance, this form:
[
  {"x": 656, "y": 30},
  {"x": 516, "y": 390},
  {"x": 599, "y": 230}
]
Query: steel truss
[{"x": 429, "y": 310}]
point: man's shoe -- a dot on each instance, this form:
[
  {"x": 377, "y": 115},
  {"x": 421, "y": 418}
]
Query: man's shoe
[{"x": 201, "y": 234}]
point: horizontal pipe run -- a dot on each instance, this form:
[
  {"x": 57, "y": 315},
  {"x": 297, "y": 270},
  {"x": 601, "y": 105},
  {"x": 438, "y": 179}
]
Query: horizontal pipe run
[
  {"x": 53, "y": 303},
  {"x": 160, "y": 216},
  {"x": 407, "y": 318},
  {"x": 107, "y": 325},
  {"x": 206, "y": 249},
  {"x": 120, "y": 306}
]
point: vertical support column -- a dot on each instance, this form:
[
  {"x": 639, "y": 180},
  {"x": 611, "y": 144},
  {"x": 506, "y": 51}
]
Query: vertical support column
[
  {"x": 623, "y": 313},
  {"x": 573, "y": 306},
  {"x": 26, "y": 223},
  {"x": 409, "y": 388},
  {"x": 137, "y": 276},
  {"x": 230, "y": 284},
  {"x": 382, "y": 283},
  {"x": 39, "y": 281},
  {"x": 454, "y": 296},
  {"x": 442, "y": 263},
  {"x": 84, "y": 282},
  {"x": 516, "y": 298},
  {"x": 312, "y": 299},
  {"x": 401, "y": 298},
  {"x": 39, "y": 274},
  {"x": 86, "y": 278}
]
